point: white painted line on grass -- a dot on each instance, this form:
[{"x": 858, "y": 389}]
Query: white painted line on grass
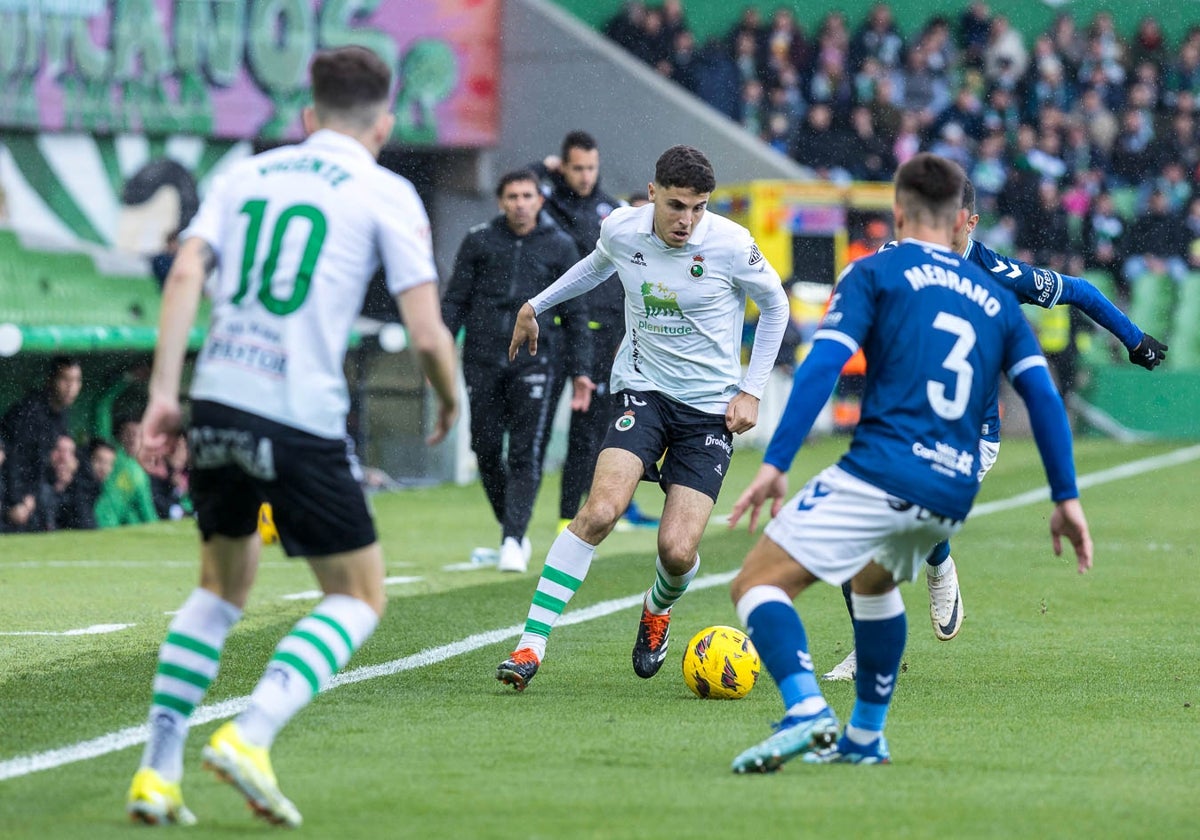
[
  {"x": 123, "y": 739},
  {"x": 94, "y": 630},
  {"x": 313, "y": 594}
]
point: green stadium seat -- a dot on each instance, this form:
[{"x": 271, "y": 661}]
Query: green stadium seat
[
  {"x": 1185, "y": 328},
  {"x": 1150, "y": 305},
  {"x": 1125, "y": 201}
]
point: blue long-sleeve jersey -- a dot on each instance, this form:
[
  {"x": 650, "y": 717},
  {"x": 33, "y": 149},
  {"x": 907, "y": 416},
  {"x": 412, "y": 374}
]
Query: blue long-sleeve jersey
[{"x": 937, "y": 332}]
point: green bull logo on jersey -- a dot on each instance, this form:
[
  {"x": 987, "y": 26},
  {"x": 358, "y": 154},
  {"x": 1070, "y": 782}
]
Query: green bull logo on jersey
[{"x": 663, "y": 303}]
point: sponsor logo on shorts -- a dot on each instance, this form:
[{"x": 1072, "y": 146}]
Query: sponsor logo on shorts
[
  {"x": 945, "y": 458},
  {"x": 719, "y": 442},
  {"x": 625, "y": 422}
]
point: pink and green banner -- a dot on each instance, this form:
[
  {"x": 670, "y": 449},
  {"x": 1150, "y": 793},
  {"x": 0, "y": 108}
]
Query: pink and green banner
[{"x": 237, "y": 69}]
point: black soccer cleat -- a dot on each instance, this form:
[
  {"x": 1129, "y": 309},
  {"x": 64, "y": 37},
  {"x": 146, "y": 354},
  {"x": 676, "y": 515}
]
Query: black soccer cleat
[{"x": 650, "y": 649}]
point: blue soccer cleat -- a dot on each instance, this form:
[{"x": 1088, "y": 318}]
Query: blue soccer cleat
[
  {"x": 793, "y": 736},
  {"x": 846, "y": 751}
]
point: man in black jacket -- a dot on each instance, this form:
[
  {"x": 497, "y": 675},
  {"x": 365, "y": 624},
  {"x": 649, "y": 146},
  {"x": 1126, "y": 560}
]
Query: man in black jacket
[
  {"x": 571, "y": 186},
  {"x": 30, "y": 429},
  {"x": 499, "y": 266}
]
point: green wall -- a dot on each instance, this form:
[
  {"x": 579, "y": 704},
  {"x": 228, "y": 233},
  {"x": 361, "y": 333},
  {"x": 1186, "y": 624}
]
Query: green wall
[{"x": 715, "y": 17}]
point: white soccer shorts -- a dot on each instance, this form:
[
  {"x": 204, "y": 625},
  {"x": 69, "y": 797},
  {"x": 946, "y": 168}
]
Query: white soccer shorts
[{"x": 838, "y": 524}]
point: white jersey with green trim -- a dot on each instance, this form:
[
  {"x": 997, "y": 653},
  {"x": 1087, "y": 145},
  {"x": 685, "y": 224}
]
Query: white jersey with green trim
[
  {"x": 298, "y": 233},
  {"x": 684, "y": 307}
]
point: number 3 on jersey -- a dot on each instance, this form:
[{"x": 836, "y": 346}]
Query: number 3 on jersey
[
  {"x": 955, "y": 362},
  {"x": 256, "y": 209}
]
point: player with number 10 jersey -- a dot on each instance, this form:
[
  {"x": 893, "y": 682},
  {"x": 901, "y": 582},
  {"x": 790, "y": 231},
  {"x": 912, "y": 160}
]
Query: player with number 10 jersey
[{"x": 278, "y": 340}]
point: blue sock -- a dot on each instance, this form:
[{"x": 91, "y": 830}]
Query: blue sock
[
  {"x": 778, "y": 635},
  {"x": 880, "y": 630},
  {"x": 939, "y": 553}
]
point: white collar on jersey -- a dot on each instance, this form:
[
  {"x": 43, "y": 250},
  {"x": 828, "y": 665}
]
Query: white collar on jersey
[
  {"x": 646, "y": 226},
  {"x": 328, "y": 138},
  {"x": 925, "y": 244}
]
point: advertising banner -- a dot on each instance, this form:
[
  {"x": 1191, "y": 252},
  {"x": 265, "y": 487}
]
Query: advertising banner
[{"x": 237, "y": 69}]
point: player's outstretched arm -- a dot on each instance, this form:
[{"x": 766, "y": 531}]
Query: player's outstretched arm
[
  {"x": 1144, "y": 349},
  {"x": 770, "y": 483},
  {"x": 1068, "y": 521},
  {"x": 162, "y": 420},
  {"x": 525, "y": 332},
  {"x": 1149, "y": 353},
  {"x": 434, "y": 346}
]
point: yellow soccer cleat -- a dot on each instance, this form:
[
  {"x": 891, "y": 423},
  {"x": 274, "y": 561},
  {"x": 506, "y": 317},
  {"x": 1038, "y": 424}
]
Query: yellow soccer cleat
[
  {"x": 155, "y": 801},
  {"x": 248, "y": 769},
  {"x": 266, "y": 525}
]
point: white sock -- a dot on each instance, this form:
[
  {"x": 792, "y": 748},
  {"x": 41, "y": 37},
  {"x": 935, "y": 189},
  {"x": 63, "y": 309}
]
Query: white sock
[
  {"x": 668, "y": 588},
  {"x": 318, "y": 647},
  {"x": 940, "y": 569},
  {"x": 567, "y": 565},
  {"x": 187, "y": 664},
  {"x": 862, "y": 737}
]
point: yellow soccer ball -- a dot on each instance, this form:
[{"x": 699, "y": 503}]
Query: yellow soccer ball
[
  {"x": 266, "y": 525},
  {"x": 720, "y": 663}
]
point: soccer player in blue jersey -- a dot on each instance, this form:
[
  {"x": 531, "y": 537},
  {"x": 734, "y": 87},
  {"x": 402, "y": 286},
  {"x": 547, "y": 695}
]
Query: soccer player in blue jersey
[
  {"x": 937, "y": 332},
  {"x": 1036, "y": 287}
]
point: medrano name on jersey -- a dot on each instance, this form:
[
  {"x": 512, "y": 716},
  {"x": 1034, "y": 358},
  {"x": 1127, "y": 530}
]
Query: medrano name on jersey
[{"x": 920, "y": 276}]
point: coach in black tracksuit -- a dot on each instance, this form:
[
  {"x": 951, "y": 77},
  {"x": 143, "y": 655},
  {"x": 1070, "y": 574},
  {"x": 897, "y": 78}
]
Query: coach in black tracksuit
[
  {"x": 500, "y": 265},
  {"x": 574, "y": 199}
]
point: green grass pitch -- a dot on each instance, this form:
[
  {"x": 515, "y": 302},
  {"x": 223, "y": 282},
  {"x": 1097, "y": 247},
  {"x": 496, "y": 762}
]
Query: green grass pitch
[{"x": 1067, "y": 707}]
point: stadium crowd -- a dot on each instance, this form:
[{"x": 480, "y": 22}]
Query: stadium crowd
[
  {"x": 1082, "y": 144},
  {"x": 50, "y": 483}
]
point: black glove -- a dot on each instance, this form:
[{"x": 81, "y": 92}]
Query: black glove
[{"x": 1149, "y": 353}]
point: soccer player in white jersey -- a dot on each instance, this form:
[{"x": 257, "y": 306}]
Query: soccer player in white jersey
[
  {"x": 295, "y": 234},
  {"x": 937, "y": 332},
  {"x": 682, "y": 395}
]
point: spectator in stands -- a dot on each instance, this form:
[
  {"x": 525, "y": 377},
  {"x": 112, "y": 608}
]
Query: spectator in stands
[
  {"x": 717, "y": 78},
  {"x": 1192, "y": 222},
  {"x": 681, "y": 67},
  {"x": 170, "y": 487},
  {"x": 752, "y": 113},
  {"x": 886, "y": 113},
  {"x": 748, "y": 59},
  {"x": 749, "y": 24},
  {"x": 64, "y": 500},
  {"x": 103, "y": 458},
  {"x": 974, "y": 25},
  {"x": 990, "y": 172},
  {"x": 1184, "y": 74},
  {"x": 1101, "y": 123},
  {"x": 625, "y": 27},
  {"x": 1005, "y": 59},
  {"x": 967, "y": 111},
  {"x": 820, "y": 146},
  {"x": 1149, "y": 43},
  {"x": 1172, "y": 182},
  {"x": 1132, "y": 158},
  {"x": 953, "y": 144},
  {"x": 1103, "y": 236},
  {"x": 785, "y": 43},
  {"x": 908, "y": 137},
  {"x": 1069, "y": 44},
  {"x": 126, "y": 498},
  {"x": 869, "y": 155},
  {"x": 877, "y": 38},
  {"x": 654, "y": 44},
  {"x": 1179, "y": 143},
  {"x": 31, "y": 428},
  {"x": 830, "y": 84},
  {"x": 1043, "y": 236},
  {"x": 1158, "y": 243},
  {"x": 940, "y": 52}
]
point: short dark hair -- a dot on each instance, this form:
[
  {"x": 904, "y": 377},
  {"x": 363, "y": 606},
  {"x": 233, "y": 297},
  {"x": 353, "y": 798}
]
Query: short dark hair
[
  {"x": 349, "y": 83},
  {"x": 684, "y": 166},
  {"x": 577, "y": 140},
  {"x": 517, "y": 175},
  {"x": 100, "y": 443},
  {"x": 60, "y": 363},
  {"x": 968, "y": 196},
  {"x": 932, "y": 186}
]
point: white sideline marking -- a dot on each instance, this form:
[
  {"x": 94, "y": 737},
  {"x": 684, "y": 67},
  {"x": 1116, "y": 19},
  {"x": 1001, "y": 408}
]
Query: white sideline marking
[
  {"x": 312, "y": 594},
  {"x": 24, "y": 765},
  {"x": 94, "y": 630}
]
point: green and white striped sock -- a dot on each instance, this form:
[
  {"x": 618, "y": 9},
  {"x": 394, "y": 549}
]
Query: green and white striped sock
[
  {"x": 187, "y": 665},
  {"x": 305, "y": 660},
  {"x": 567, "y": 565},
  {"x": 668, "y": 588}
]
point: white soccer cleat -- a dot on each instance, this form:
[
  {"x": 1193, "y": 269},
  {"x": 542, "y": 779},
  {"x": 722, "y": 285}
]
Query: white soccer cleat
[
  {"x": 945, "y": 602},
  {"x": 512, "y": 557},
  {"x": 845, "y": 671}
]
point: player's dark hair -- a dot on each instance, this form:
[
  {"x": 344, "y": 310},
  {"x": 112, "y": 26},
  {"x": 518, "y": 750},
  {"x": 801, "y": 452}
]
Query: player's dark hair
[
  {"x": 100, "y": 443},
  {"x": 931, "y": 186},
  {"x": 968, "y": 196},
  {"x": 349, "y": 84},
  {"x": 515, "y": 176},
  {"x": 683, "y": 166},
  {"x": 577, "y": 140}
]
